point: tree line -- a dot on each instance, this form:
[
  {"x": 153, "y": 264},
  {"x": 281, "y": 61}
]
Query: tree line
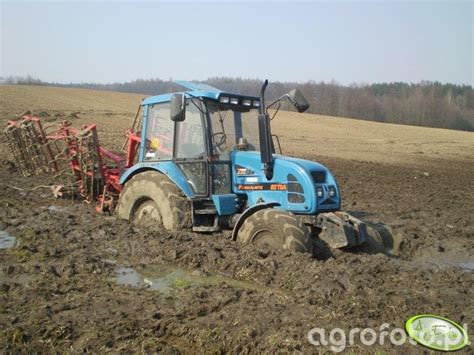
[{"x": 429, "y": 104}]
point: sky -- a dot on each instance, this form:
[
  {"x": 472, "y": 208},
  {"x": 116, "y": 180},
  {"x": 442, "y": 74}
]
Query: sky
[{"x": 349, "y": 42}]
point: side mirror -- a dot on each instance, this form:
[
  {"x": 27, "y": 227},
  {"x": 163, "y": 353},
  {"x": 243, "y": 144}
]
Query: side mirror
[
  {"x": 178, "y": 107},
  {"x": 298, "y": 100}
]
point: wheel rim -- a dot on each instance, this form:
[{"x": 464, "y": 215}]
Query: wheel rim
[
  {"x": 146, "y": 213},
  {"x": 265, "y": 237}
]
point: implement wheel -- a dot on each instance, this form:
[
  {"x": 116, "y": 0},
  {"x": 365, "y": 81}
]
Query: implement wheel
[
  {"x": 150, "y": 198},
  {"x": 277, "y": 229}
]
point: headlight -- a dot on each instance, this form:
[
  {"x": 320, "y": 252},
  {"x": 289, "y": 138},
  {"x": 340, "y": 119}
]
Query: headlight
[
  {"x": 319, "y": 191},
  {"x": 247, "y": 102},
  {"x": 256, "y": 104},
  {"x": 234, "y": 101},
  {"x": 224, "y": 99},
  {"x": 332, "y": 191}
]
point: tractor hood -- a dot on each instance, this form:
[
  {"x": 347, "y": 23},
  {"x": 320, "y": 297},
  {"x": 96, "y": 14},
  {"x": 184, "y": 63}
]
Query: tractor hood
[
  {"x": 304, "y": 164},
  {"x": 297, "y": 185}
]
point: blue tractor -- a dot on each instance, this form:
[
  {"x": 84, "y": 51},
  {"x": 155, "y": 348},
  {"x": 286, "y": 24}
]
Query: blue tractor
[{"x": 207, "y": 162}]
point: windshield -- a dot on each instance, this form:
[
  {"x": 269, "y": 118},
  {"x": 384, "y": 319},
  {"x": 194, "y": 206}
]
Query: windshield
[{"x": 229, "y": 127}]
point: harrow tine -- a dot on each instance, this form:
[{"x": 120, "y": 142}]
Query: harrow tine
[
  {"x": 17, "y": 146},
  {"x": 29, "y": 145}
]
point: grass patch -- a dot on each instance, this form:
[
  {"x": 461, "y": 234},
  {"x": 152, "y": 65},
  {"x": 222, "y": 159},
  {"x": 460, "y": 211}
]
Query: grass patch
[
  {"x": 21, "y": 255},
  {"x": 180, "y": 283}
]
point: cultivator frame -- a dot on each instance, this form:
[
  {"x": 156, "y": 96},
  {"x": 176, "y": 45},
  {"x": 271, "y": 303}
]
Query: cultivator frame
[{"x": 74, "y": 155}]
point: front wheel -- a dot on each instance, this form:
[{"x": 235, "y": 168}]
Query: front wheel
[{"x": 277, "y": 229}]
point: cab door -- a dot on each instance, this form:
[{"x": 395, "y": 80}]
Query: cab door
[{"x": 190, "y": 152}]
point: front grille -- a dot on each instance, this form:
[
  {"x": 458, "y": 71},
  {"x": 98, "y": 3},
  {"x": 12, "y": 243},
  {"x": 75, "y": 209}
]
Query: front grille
[
  {"x": 295, "y": 190},
  {"x": 327, "y": 202},
  {"x": 295, "y": 198},
  {"x": 319, "y": 177},
  {"x": 295, "y": 187}
]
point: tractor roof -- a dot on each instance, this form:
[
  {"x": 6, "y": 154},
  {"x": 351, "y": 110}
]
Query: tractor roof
[{"x": 195, "y": 90}]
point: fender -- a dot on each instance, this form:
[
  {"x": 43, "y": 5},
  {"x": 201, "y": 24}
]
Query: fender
[
  {"x": 248, "y": 212},
  {"x": 167, "y": 168}
]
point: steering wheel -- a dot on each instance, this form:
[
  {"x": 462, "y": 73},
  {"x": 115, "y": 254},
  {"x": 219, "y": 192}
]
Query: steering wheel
[{"x": 219, "y": 141}]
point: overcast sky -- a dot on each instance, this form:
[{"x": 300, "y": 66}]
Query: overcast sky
[{"x": 355, "y": 41}]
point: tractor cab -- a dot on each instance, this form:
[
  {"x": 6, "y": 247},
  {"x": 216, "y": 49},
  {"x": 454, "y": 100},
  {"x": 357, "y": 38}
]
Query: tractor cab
[{"x": 198, "y": 131}]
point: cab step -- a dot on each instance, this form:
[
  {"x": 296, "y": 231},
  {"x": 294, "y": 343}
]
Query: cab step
[
  {"x": 205, "y": 217},
  {"x": 210, "y": 229},
  {"x": 206, "y": 211}
]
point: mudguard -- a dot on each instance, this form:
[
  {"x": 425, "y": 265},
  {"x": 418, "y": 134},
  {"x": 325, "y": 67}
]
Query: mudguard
[{"x": 168, "y": 168}]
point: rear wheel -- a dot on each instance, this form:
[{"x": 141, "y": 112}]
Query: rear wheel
[
  {"x": 146, "y": 212},
  {"x": 150, "y": 198},
  {"x": 277, "y": 229}
]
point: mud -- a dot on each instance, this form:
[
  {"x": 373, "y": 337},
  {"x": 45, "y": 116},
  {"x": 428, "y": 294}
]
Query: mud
[
  {"x": 59, "y": 289},
  {"x": 77, "y": 281}
]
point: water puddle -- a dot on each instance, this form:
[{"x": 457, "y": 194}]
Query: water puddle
[
  {"x": 466, "y": 266},
  {"x": 463, "y": 265},
  {"x": 6, "y": 240},
  {"x": 459, "y": 263},
  {"x": 168, "y": 279}
]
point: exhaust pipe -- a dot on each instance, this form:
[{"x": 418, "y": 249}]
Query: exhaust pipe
[{"x": 265, "y": 135}]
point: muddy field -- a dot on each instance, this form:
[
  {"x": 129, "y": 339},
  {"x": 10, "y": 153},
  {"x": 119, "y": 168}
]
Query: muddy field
[{"x": 79, "y": 281}]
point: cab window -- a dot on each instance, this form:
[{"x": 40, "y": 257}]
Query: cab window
[
  {"x": 228, "y": 126},
  {"x": 160, "y": 129},
  {"x": 190, "y": 142}
]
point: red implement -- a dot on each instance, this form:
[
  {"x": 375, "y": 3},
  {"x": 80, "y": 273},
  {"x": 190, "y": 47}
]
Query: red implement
[{"x": 75, "y": 155}]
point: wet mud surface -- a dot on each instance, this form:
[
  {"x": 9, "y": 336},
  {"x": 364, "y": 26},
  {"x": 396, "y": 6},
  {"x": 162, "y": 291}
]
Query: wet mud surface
[{"x": 60, "y": 286}]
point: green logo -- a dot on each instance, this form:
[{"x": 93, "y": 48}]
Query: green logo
[{"x": 436, "y": 333}]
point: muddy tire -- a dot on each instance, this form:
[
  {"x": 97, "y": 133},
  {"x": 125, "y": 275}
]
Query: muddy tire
[
  {"x": 150, "y": 198},
  {"x": 278, "y": 229}
]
